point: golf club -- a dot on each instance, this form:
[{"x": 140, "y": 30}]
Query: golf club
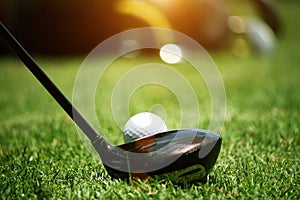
[{"x": 178, "y": 155}]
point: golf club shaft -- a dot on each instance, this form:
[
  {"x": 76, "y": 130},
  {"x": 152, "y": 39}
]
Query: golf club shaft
[{"x": 29, "y": 62}]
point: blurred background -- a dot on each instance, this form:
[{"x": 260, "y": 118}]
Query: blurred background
[{"x": 60, "y": 27}]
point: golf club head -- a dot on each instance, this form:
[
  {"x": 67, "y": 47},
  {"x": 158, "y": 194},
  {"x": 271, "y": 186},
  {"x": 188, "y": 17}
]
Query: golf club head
[{"x": 178, "y": 155}]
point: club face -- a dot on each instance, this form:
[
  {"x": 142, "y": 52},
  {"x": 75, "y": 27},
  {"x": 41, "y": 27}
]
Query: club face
[{"x": 179, "y": 155}]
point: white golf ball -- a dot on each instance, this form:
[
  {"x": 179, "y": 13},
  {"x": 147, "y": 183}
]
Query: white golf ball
[{"x": 143, "y": 124}]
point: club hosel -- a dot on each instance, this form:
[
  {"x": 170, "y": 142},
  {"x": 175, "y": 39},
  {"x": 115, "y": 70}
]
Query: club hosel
[
  {"x": 108, "y": 153},
  {"x": 101, "y": 145}
]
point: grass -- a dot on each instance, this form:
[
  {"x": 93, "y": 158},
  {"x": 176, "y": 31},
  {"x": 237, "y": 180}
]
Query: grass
[{"x": 41, "y": 155}]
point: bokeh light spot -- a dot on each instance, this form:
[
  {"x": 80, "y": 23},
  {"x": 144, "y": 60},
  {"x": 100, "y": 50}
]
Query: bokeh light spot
[{"x": 170, "y": 53}]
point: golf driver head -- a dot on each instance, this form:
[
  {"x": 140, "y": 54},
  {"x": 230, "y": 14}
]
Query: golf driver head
[{"x": 185, "y": 155}]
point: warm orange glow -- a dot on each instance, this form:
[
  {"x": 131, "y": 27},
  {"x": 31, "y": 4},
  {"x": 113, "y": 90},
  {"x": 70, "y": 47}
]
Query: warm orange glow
[
  {"x": 145, "y": 11},
  {"x": 162, "y": 2}
]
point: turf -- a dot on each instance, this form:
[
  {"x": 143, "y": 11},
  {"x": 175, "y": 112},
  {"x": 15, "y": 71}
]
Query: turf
[{"x": 41, "y": 155}]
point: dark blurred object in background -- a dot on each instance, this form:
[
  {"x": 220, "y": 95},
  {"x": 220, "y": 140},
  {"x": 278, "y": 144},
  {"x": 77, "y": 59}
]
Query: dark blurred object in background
[
  {"x": 268, "y": 14},
  {"x": 60, "y": 27},
  {"x": 2, "y": 15}
]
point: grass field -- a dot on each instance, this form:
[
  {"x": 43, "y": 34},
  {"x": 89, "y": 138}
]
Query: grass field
[{"x": 41, "y": 155}]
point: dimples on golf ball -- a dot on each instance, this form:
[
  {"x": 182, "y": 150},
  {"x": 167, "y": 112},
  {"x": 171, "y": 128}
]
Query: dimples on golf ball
[{"x": 143, "y": 124}]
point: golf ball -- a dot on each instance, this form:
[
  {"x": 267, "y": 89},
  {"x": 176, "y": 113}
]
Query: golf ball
[{"x": 143, "y": 124}]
